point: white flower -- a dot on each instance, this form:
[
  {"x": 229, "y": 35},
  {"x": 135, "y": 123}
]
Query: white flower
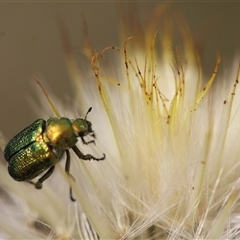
[{"x": 171, "y": 139}]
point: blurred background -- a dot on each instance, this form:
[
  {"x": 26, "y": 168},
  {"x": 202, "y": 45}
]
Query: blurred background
[{"x": 30, "y": 44}]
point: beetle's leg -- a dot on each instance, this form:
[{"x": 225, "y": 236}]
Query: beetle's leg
[
  {"x": 84, "y": 141},
  {"x": 39, "y": 182},
  {"x": 67, "y": 170},
  {"x": 67, "y": 165},
  {"x": 87, "y": 156}
]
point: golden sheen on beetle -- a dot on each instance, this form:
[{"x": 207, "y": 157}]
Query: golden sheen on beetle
[{"x": 41, "y": 145}]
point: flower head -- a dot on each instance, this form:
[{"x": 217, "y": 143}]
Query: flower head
[{"x": 171, "y": 142}]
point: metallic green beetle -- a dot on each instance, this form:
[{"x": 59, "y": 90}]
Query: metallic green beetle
[{"x": 41, "y": 145}]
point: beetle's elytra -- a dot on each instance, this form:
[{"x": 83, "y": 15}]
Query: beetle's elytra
[{"x": 41, "y": 145}]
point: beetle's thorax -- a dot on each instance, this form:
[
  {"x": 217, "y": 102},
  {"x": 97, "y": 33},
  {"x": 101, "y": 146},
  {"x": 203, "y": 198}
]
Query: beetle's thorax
[{"x": 60, "y": 133}]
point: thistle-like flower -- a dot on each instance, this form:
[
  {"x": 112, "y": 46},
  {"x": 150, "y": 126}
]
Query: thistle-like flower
[{"x": 171, "y": 142}]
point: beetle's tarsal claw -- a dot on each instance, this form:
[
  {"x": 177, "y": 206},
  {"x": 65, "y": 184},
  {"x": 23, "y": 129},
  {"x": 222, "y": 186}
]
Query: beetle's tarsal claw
[
  {"x": 71, "y": 195},
  {"x": 89, "y": 157},
  {"x": 93, "y": 135},
  {"x": 38, "y": 185},
  {"x": 86, "y": 143},
  {"x": 102, "y": 158},
  {"x": 86, "y": 156}
]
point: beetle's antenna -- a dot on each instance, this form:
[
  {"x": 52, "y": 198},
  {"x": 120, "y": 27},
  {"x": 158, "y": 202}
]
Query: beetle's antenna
[
  {"x": 89, "y": 110},
  {"x": 46, "y": 95}
]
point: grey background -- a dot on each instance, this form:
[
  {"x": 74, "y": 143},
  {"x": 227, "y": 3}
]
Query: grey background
[{"x": 30, "y": 43}]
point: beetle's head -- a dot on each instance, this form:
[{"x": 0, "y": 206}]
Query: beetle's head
[{"x": 82, "y": 126}]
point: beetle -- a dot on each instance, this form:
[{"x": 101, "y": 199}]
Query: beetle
[{"x": 41, "y": 145}]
